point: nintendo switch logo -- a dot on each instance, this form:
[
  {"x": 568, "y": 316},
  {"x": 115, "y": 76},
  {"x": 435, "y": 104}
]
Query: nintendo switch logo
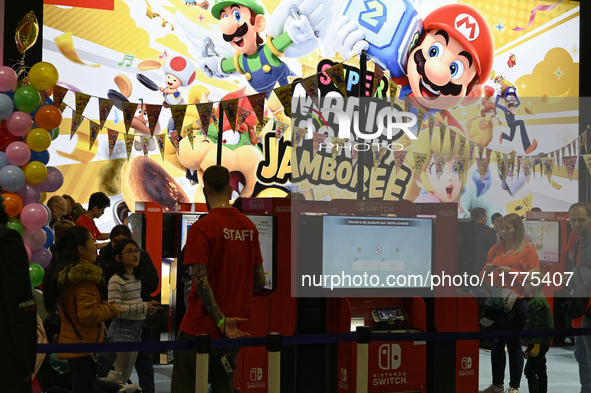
[
  {"x": 389, "y": 356},
  {"x": 466, "y": 363},
  {"x": 360, "y": 206},
  {"x": 256, "y": 374},
  {"x": 343, "y": 375}
]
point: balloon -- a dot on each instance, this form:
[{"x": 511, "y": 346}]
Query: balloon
[
  {"x": 6, "y": 138},
  {"x": 12, "y": 204},
  {"x": 44, "y": 102},
  {"x": 29, "y": 252},
  {"x": 15, "y": 223},
  {"x": 43, "y": 76},
  {"x": 27, "y": 31},
  {"x": 33, "y": 217},
  {"x": 12, "y": 178},
  {"x": 3, "y": 160},
  {"x": 36, "y": 272},
  {"x": 29, "y": 194},
  {"x": 19, "y": 123},
  {"x": 50, "y": 238},
  {"x": 27, "y": 99},
  {"x": 18, "y": 153},
  {"x": 43, "y": 197},
  {"x": 34, "y": 238},
  {"x": 6, "y": 106},
  {"x": 38, "y": 139},
  {"x": 41, "y": 156},
  {"x": 42, "y": 257},
  {"x": 7, "y": 78},
  {"x": 35, "y": 172},
  {"x": 48, "y": 117},
  {"x": 56, "y": 133},
  {"x": 53, "y": 181},
  {"x": 48, "y": 212}
]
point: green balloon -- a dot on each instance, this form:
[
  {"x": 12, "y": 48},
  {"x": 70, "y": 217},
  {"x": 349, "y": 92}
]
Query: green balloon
[
  {"x": 27, "y": 99},
  {"x": 36, "y": 272},
  {"x": 56, "y": 133},
  {"x": 15, "y": 223}
]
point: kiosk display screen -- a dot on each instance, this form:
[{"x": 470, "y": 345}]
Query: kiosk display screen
[
  {"x": 135, "y": 222},
  {"x": 266, "y": 227},
  {"x": 544, "y": 236},
  {"x": 381, "y": 246}
]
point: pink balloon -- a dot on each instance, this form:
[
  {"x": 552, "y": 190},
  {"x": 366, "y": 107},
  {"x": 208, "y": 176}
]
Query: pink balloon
[
  {"x": 42, "y": 257},
  {"x": 53, "y": 181},
  {"x": 19, "y": 123},
  {"x": 18, "y": 153},
  {"x": 34, "y": 238},
  {"x": 34, "y": 216},
  {"x": 7, "y": 79},
  {"x": 29, "y": 194},
  {"x": 29, "y": 252}
]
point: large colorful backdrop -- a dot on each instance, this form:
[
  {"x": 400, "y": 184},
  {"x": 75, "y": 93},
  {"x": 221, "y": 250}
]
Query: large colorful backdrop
[{"x": 123, "y": 50}]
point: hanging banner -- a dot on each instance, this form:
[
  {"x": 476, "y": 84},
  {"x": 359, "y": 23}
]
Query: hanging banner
[
  {"x": 178, "y": 116},
  {"x": 440, "y": 162},
  {"x": 128, "y": 111},
  {"x": 153, "y": 116},
  {"x": 59, "y": 93},
  {"x": 104, "y": 110},
  {"x": 317, "y": 140},
  {"x": 129, "y": 144},
  {"x": 112, "y": 136},
  {"x": 174, "y": 139},
  {"x": 399, "y": 157},
  {"x": 420, "y": 161},
  {"x": 570, "y": 163},
  {"x": 338, "y": 78},
  {"x": 94, "y": 131},
  {"x": 284, "y": 94},
  {"x": 257, "y": 103},
  {"x": 205, "y": 111},
  {"x": 160, "y": 139},
  {"x": 230, "y": 110}
]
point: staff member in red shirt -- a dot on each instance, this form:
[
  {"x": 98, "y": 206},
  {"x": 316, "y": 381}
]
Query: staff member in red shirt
[
  {"x": 224, "y": 251},
  {"x": 512, "y": 254},
  {"x": 96, "y": 208}
]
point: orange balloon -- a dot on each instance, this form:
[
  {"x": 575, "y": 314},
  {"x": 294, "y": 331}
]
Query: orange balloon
[
  {"x": 13, "y": 204},
  {"x": 48, "y": 117}
]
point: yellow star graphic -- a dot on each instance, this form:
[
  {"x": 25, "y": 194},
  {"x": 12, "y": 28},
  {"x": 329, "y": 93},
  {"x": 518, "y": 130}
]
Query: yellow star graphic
[{"x": 523, "y": 86}]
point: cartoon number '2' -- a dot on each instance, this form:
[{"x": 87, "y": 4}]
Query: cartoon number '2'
[{"x": 374, "y": 16}]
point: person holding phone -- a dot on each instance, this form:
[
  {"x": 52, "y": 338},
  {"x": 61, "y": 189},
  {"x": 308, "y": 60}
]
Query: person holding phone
[{"x": 505, "y": 261}]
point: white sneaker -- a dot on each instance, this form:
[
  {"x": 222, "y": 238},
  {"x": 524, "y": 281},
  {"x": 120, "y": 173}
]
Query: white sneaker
[
  {"x": 512, "y": 390},
  {"x": 494, "y": 389},
  {"x": 133, "y": 387}
]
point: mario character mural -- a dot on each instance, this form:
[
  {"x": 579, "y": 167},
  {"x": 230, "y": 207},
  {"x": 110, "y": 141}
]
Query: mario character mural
[
  {"x": 179, "y": 71},
  {"x": 242, "y": 21},
  {"x": 450, "y": 64}
]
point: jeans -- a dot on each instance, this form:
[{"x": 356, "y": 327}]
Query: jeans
[
  {"x": 535, "y": 371},
  {"x": 498, "y": 358},
  {"x": 82, "y": 373},
  {"x": 583, "y": 356},
  {"x": 123, "y": 330},
  {"x": 144, "y": 365}
]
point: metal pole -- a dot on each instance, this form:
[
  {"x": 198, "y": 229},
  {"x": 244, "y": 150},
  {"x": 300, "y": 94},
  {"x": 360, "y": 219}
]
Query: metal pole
[
  {"x": 202, "y": 367},
  {"x": 362, "y": 358},
  {"x": 362, "y": 155},
  {"x": 220, "y": 133},
  {"x": 274, "y": 343}
]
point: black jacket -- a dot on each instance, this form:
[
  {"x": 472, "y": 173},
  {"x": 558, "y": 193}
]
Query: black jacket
[
  {"x": 18, "y": 315},
  {"x": 150, "y": 277},
  {"x": 484, "y": 238}
]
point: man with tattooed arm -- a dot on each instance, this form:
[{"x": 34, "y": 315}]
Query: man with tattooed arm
[{"x": 223, "y": 249}]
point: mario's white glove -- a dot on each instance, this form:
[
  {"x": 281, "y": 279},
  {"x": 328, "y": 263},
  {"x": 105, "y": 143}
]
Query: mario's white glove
[
  {"x": 299, "y": 30},
  {"x": 212, "y": 67},
  {"x": 347, "y": 38}
]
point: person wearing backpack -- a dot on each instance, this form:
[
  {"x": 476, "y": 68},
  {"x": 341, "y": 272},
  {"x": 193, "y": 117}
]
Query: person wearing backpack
[{"x": 579, "y": 216}]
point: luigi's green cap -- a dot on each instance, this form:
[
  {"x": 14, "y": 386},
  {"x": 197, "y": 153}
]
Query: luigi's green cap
[{"x": 254, "y": 5}]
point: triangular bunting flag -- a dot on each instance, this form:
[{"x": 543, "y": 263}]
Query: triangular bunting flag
[
  {"x": 104, "y": 110},
  {"x": 337, "y": 75},
  {"x": 280, "y": 130},
  {"x": 75, "y": 124},
  {"x": 471, "y": 150},
  {"x": 510, "y": 165},
  {"x": 570, "y": 163},
  {"x": 420, "y": 117},
  {"x": 378, "y": 74},
  {"x": 440, "y": 162},
  {"x": 585, "y": 139},
  {"x": 128, "y": 144},
  {"x": 178, "y": 116},
  {"x": 174, "y": 139},
  {"x": 160, "y": 139},
  {"x": 570, "y": 152},
  {"x": 482, "y": 164},
  {"x": 62, "y": 107},
  {"x": 420, "y": 162},
  {"x": 407, "y": 103},
  {"x": 548, "y": 167},
  {"x": 284, "y": 94},
  {"x": 112, "y": 135},
  {"x": 230, "y": 110},
  {"x": 431, "y": 127},
  {"x": 205, "y": 110},
  {"x": 310, "y": 85},
  {"x": 318, "y": 139},
  {"x": 128, "y": 111},
  {"x": 399, "y": 157},
  {"x": 94, "y": 130},
  {"x": 153, "y": 116},
  {"x": 298, "y": 136},
  {"x": 59, "y": 93},
  {"x": 442, "y": 133},
  {"x": 392, "y": 91},
  {"x": 527, "y": 165},
  {"x": 145, "y": 146},
  {"x": 190, "y": 135},
  {"x": 81, "y": 102},
  {"x": 354, "y": 157},
  {"x": 518, "y": 161},
  {"x": 574, "y": 143},
  {"x": 257, "y": 102},
  {"x": 337, "y": 145},
  {"x": 462, "y": 145},
  {"x": 452, "y": 141},
  {"x": 378, "y": 154},
  {"x": 587, "y": 158},
  {"x": 242, "y": 116},
  {"x": 461, "y": 165},
  {"x": 480, "y": 151}
]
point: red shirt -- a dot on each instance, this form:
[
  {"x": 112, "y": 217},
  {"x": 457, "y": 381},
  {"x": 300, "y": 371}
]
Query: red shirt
[
  {"x": 227, "y": 242},
  {"x": 89, "y": 224},
  {"x": 522, "y": 262}
]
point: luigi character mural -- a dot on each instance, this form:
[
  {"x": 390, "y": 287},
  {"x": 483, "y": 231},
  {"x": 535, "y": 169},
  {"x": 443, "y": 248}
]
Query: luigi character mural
[{"x": 294, "y": 30}]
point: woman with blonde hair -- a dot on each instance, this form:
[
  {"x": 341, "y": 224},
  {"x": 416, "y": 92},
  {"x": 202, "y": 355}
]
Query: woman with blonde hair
[{"x": 510, "y": 257}]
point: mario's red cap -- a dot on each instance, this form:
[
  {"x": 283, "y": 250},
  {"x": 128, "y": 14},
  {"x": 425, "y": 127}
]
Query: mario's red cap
[{"x": 467, "y": 26}]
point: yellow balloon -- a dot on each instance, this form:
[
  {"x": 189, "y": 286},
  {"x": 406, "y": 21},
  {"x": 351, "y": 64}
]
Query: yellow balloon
[
  {"x": 27, "y": 31},
  {"x": 43, "y": 197},
  {"x": 43, "y": 76},
  {"x": 35, "y": 172},
  {"x": 38, "y": 139}
]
